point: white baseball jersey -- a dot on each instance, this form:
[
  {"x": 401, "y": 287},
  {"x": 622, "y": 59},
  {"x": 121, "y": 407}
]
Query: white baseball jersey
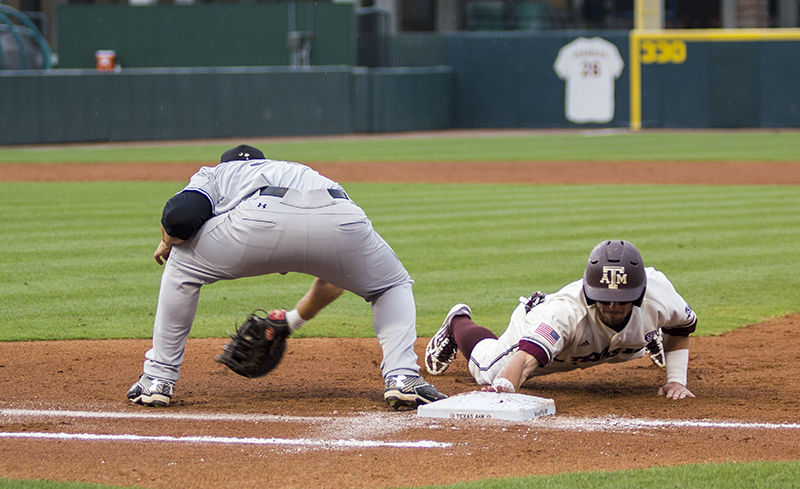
[
  {"x": 589, "y": 67},
  {"x": 565, "y": 333}
]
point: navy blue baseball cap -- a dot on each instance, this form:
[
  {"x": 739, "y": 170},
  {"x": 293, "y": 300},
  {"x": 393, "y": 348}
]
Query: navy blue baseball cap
[{"x": 242, "y": 152}]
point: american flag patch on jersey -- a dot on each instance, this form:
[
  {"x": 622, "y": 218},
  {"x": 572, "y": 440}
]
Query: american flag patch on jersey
[{"x": 549, "y": 333}]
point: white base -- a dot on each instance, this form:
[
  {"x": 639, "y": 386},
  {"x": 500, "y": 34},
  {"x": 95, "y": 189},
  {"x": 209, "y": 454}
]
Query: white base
[{"x": 489, "y": 405}]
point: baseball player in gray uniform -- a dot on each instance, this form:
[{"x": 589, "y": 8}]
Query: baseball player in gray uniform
[
  {"x": 619, "y": 311},
  {"x": 250, "y": 216}
]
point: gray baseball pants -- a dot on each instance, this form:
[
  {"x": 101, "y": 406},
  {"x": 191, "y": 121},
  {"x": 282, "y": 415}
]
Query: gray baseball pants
[{"x": 312, "y": 233}]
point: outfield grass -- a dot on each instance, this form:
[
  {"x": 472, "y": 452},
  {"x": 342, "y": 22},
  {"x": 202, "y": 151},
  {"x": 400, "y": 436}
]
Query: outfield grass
[
  {"x": 78, "y": 262},
  {"x": 539, "y": 146}
]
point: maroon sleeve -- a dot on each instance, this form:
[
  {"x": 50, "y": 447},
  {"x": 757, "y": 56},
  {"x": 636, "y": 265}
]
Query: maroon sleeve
[
  {"x": 542, "y": 355},
  {"x": 681, "y": 331}
]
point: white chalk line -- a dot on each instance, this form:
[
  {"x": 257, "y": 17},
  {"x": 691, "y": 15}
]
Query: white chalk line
[
  {"x": 611, "y": 423},
  {"x": 621, "y": 423},
  {"x": 225, "y": 440},
  {"x": 551, "y": 422},
  {"x": 158, "y": 414},
  {"x": 311, "y": 443}
]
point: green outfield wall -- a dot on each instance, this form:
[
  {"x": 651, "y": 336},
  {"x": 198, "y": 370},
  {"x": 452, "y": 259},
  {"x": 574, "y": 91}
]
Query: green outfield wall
[
  {"x": 507, "y": 79},
  {"x": 225, "y": 73},
  {"x": 241, "y": 34},
  {"x": 190, "y": 103},
  {"x": 715, "y": 78},
  {"x": 685, "y": 79},
  {"x": 403, "y": 99}
]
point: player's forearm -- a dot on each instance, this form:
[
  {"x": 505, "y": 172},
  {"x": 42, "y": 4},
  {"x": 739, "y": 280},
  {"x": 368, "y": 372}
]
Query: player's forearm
[
  {"x": 676, "y": 354},
  {"x": 319, "y": 296},
  {"x": 316, "y": 299},
  {"x": 672, "y": 343},
  {"x": 517, "y": 370}
]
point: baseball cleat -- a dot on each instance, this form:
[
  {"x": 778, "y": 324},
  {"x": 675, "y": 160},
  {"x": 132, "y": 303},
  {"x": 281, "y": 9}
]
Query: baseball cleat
[
  {"x": 409, "y": 391},
  {"x": 442, "y": 348},
  {"x": 655, "y": 348},
  {"x": 148, "y": 391}
]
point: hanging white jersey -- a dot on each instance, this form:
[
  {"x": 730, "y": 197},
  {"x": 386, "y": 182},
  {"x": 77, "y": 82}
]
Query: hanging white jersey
[{"x": 590, "y": 66}]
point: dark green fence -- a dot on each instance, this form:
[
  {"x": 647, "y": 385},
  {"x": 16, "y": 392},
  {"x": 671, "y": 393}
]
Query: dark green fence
[
  {"x": 506, "y": 79},
  {"x": 205, "y": 34},
  {"x": 726, "y": 85},
  {"x": 432, "y": 81},
  {"x": 403, "y": 99},
  {"x": 143, "y": 104}
]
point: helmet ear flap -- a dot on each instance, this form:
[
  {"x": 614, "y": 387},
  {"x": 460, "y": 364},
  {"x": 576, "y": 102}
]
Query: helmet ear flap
[
  {"x": 638, "y": 302},
  {"x": 614, "y": 273}
]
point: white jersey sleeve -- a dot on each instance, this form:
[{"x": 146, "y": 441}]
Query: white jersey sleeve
[
  {"x": 672, "y": 313},
  {"x": 229, "y": 183}
]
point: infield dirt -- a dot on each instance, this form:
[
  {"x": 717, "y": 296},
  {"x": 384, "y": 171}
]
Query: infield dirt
[{"x": 330, "y": 389}]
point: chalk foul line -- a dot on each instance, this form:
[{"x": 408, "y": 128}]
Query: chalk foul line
[
  {"x": 551, "y": 422},
  {"x": 612, "y": 423},
  {"x": 608, "y": 423},
  {"x": 225, "y": 440},
  {"x": 315, "y": 443},
  {"x": 162, "y": 415}
]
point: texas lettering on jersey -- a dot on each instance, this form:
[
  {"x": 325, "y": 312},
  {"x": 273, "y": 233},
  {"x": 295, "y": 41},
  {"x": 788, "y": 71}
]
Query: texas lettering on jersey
[{"x": 601, "y": 355}]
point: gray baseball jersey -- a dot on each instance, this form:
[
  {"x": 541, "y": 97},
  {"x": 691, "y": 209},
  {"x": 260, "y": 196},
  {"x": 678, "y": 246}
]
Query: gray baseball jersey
[
  {"x": 303, "y": 227},
  {"x": 565, "y": 333}
]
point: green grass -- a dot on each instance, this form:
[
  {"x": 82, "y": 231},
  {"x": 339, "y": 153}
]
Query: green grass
[
  {"x": 760, "y": 475},
  {"x": 757, "y": 475},
  {"x": 542, "y": 146},
  {"x": 77, "y": 262}
]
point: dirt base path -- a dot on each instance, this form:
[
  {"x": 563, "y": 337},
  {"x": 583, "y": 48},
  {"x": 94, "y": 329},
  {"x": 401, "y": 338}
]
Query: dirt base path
[{"x": 319, "y": 420}]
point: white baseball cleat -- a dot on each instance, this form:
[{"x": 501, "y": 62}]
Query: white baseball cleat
[
  {"x": 655, "y": 348},
  {"x": 442, "y": 348},
  {"x": 405, "y": 392},
  {"x": 149, "y": 391}
]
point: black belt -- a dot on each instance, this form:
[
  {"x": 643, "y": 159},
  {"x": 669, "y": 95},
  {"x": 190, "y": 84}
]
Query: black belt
[{"x": 281, "y": 191}]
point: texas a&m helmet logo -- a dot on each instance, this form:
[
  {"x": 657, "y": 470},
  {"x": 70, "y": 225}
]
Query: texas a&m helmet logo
[{"x": 613, "y": 277}]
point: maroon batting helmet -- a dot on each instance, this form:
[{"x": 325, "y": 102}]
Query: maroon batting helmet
[{"x": 614, "y": 273}]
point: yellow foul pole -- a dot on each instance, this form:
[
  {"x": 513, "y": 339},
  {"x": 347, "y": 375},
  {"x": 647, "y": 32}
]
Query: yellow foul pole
[
  {"x": 647, "y": 15},
  {"x": 635, "y": 75}
]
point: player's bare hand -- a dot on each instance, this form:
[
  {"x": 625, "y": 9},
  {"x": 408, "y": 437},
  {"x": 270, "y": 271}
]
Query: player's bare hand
[
  {"x": 162, "y": 252},
  {"x": 674, "y": 390}
]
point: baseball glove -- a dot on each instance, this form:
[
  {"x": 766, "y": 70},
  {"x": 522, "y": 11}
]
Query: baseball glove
[{"x": 257, "y": 345}]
